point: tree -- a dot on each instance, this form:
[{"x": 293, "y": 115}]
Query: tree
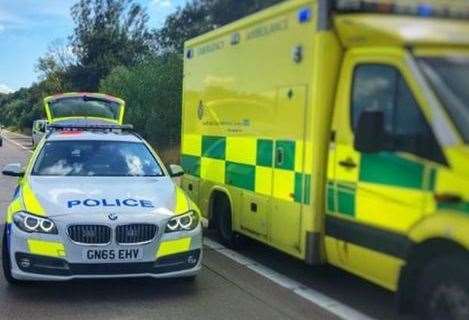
[
  {"x": 54, "y": 66},
  {"x": 153, "y": 92},
  {"x": 107, "y": 33}
]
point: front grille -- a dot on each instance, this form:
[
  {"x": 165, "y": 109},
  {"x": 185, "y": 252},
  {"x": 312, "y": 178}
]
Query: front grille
[
  {"x": 135, "y": 233},
  {"x": 90, "y": 234}
]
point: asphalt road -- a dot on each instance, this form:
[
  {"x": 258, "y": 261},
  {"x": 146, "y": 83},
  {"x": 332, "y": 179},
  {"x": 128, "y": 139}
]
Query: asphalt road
[{"x": 224, "y": 289}]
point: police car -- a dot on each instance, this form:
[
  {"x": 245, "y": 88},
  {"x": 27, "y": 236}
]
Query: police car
[{"x": 95, "y": 201}]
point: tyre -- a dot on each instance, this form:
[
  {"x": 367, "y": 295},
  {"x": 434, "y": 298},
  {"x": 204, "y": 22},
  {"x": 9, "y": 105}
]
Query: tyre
[
  {"x": 6, "y": 263},
  {"x": 443, "y": 289},
  {"x": 223, "y": 225}
]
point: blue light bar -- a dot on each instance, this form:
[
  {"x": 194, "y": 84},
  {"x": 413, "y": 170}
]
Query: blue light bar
[
  {"x": 425, "y": 10},
  {"x": 430, "y": 8},
  {"x": 304, "y": 15}
]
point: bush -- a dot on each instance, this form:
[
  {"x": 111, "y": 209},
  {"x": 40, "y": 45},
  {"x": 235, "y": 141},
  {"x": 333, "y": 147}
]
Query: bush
[{"x": 152, "y": 91}]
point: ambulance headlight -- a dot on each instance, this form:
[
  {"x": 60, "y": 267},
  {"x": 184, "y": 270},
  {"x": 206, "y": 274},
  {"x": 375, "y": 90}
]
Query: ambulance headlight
[
  {"x": 184, "y": 222},
  {"x": 31, "y": 223}
]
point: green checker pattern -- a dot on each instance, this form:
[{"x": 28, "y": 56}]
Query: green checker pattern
[
  {"x": 383, "y": 168},
  {"x": 244, "y": 175}
]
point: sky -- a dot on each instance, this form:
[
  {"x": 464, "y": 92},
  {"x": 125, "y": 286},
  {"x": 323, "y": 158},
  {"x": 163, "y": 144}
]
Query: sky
[{"x": 28, "y": 27}]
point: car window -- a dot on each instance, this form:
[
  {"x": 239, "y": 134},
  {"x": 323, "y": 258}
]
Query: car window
[
  {"x": 96, "y": 158},
  {"x": 383, "y": 88}
]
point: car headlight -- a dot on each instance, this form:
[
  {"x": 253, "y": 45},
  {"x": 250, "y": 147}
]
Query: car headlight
[
  {"x": 184, "y": 222},
  {"x": 31, "y": 223}
]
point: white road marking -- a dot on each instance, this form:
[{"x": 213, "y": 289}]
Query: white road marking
[
  {"x": 333, "y": 306},
  {"x": 16, "y": 143}
]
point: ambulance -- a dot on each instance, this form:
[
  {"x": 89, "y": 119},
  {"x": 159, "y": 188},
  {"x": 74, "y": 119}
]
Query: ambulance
[
  {"x": 96, "y": 201},
  {"x": 338, "y": 132}
]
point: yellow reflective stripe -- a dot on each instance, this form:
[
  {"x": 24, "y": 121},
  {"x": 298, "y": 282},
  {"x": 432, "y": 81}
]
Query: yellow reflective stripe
[
  {"x": 15, "y": 206},
  {"x": 284, "y": 184},
  {"x": 213, "y": 170},
  {"x": 241, "y": 150},
  {"x": 263, "y": 180},
  {"x": 46, "y": 248},
  {"x": 299, "y": 147},
  {"x": 182, "y": 205},
  {"x": 30, "y": 201},
  {"x": 192, "y": 144},
  {"x": 174, "y": 246}
]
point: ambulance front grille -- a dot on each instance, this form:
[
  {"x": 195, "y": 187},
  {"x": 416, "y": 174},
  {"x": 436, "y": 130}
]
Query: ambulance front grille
[
  {"x": 135, "y": 233},
  {"x": 90, "y": 234}
]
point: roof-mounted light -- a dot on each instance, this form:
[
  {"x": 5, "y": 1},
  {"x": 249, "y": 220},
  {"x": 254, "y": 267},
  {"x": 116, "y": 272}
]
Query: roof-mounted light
[
  {"x": 430, "y": 8},
  {"x": 304, "y": 15}
]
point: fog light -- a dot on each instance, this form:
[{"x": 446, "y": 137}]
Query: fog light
[
  {"x": 25, "y": 263},
  {"x": 191, "y": 259}
]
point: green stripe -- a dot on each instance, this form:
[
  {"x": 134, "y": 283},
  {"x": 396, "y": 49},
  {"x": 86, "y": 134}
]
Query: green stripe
[
  {"x": 346, "y": 199},
  {"x": 330, "y": 198},
  {"x": 288, "y": 148},
  {"x": 264, "y": 152},
  {"x": 462, "y": 207},
  {"x": 432, "y": 182},
  {"x": 302, "y": 188},
  {"x": 240, "y": 175},
  {"x": 191, "y": 165},
  {"x": 307, "y": 189},
  {"x": 389, "y": 169},
  {"x": 213, "y": 147}
]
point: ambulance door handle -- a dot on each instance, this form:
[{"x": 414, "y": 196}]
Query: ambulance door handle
[
  {"x": 348, "y": 163},
  {"x": 280, "y": 156}
]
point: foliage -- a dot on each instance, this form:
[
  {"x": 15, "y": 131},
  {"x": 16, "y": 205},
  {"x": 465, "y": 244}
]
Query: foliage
[
  {"x": 107, "y": 34},
  {"x": 153, "y": 92}
]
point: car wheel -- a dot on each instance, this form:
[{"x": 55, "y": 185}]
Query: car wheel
[
  {"x": 443, "y": 289},
  {"x": 6, "y": 262}
]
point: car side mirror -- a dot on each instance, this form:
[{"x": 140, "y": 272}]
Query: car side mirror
[
  {"x": 13, "y": 170},
  {"x": 370, "y": 136},
  {"x": 176, "y": 170}
]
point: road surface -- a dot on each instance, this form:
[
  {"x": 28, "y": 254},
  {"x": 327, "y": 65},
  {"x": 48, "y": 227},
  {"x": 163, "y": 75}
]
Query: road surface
[{"x": 254, "y": 283}]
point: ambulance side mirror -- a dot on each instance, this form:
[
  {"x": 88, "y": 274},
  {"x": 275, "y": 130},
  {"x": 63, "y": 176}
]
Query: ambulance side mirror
[
  {"x": 13, "y": 170},
  {"x": 176, "y": 170},
  {"x": 370, "y": 136}
]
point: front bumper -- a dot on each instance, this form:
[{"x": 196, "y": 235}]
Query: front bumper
[
  {"x": 35, "y": 267},
  {"x": 57, "y": 258}
]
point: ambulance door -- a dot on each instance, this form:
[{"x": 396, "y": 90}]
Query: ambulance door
[
  {"x": 288, "y": 178},
  {"x": 377, "y": 194}
]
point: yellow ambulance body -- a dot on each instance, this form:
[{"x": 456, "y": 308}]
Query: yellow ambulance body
[{"x": 338, "y": 132}]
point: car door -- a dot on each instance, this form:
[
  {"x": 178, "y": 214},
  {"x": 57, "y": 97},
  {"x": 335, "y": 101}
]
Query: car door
[{"x": 375, "y": 197}]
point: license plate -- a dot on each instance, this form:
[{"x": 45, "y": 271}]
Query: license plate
[{"x": 104, "y": 255}]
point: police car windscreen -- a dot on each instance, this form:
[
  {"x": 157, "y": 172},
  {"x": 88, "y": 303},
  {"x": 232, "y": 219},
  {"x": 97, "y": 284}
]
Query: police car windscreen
[
  {"x": 96, "y": 158},
  {"x": 84, "y": 107}
]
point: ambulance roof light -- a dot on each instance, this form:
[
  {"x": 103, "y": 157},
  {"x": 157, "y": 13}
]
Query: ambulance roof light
[{"x": 429, "y": 8}]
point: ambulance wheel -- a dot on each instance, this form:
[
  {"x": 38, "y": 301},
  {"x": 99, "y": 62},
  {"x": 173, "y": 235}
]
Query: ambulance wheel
[
  {"x": 443, "y": 290},
  {"x": 223, "y": 225},
  {"x": 6, "y": 262}
]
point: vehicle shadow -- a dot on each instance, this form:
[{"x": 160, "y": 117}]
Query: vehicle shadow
[{"x": 101, "y": 290}]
